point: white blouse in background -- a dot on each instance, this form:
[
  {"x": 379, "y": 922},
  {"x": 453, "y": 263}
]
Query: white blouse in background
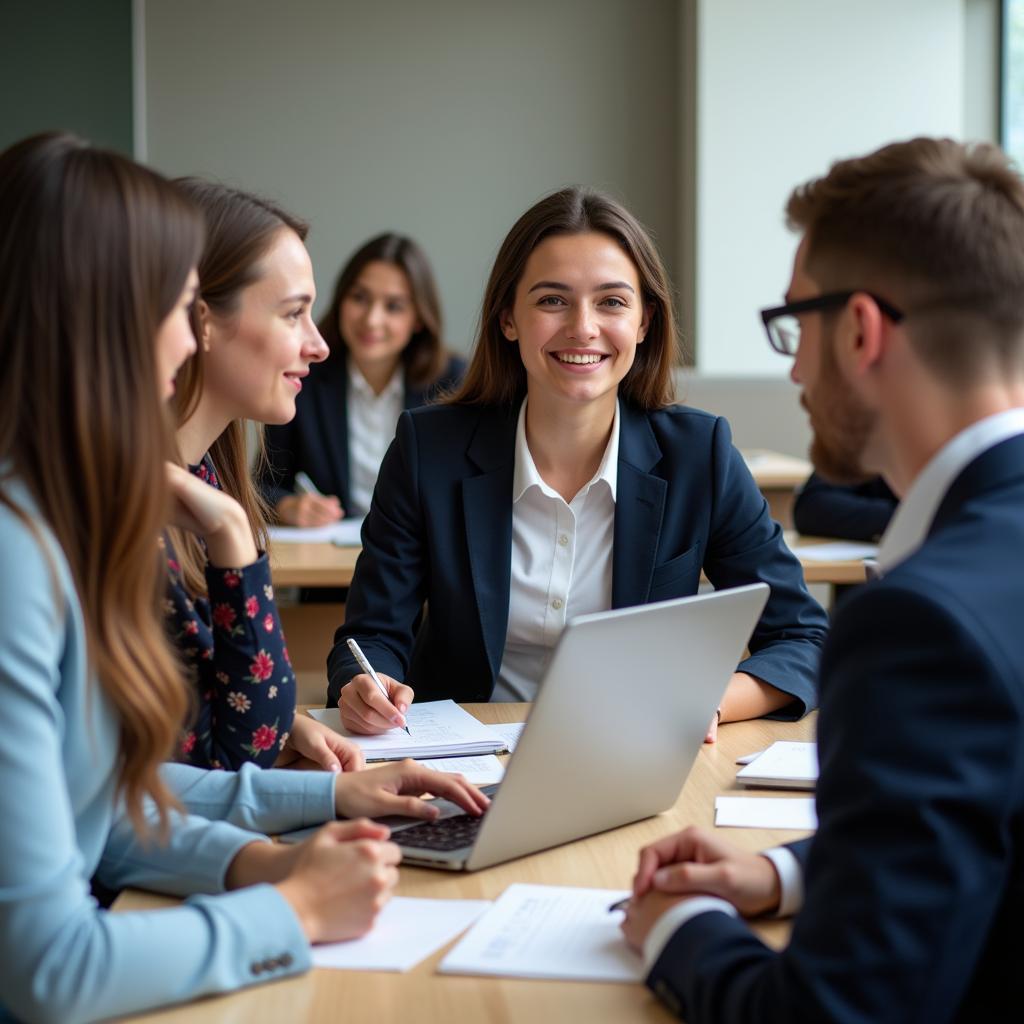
[{"x": 372, "y": 420}]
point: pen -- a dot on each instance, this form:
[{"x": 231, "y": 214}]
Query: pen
[
  {"x": 619, "y": 904},
  {"x": 368, "y": 669},
  {"x": 305, "y": 484}
]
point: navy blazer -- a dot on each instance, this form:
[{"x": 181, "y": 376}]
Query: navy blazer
[
  {"x": 914, "y": 882},
  {"x": 860, "y": 512},
  {"x": 316, "y": 440},
  {"x": 440, "y": 531}
]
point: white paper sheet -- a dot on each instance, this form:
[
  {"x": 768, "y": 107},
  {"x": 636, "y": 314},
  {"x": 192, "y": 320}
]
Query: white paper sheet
[
  {"x": 407, "y": 931},
  {"x": 546, "y": 931},
  {"x": 344, "y": 533},
  {"x": 481, "y": 771},
  {"x": 509, "y": 732},
  {"x": 837, "y": 551},
  {"x": 436, "y": 729},
  {"x": 785, "y": 763},
  {"x": 765, "y": 812}
]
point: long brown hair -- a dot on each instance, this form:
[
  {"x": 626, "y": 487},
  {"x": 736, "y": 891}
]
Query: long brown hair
[
  {"x": 94, "y": 253},
  {"x": 425, "y": 357},
  {"x": 240, "y": 228},
  {"x": 496, "y": 375},
  {"x": 937, "y": 228}
]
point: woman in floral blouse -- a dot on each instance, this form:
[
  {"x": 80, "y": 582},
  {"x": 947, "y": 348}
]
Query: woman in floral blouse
[{"x": 257, "y": 339}]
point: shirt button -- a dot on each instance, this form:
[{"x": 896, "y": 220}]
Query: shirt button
[
  {"x": 557, "y": 603},
  {"x": 563, "y": 539}
]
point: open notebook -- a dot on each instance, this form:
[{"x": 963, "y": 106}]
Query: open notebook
[{"x": 437, "y": 728}]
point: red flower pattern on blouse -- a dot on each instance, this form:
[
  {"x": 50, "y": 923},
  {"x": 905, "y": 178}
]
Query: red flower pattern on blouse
[
  {"x": 232, "y": 648},
  {"x": 262, "y": 667},
  {"x": 263, "y": 738},
  {"x": 223, "y": 616}
]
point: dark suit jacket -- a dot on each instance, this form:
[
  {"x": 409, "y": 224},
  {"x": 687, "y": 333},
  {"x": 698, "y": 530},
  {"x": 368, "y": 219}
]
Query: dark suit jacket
[
  {"x": 316, "y": 440},
  {"x": 914, "y": 882},
  {"x": 440, "y": 531},
  {"x": 860, "y": 512}
]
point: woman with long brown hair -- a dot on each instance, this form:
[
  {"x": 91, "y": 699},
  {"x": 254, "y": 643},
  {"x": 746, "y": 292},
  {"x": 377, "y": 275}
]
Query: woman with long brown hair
[
  {"x": 97, "y": 275},
  {"x": 384, "y": 331},
  {"x": 559, "y": 480},
  {"x": 257, "y": 341}
]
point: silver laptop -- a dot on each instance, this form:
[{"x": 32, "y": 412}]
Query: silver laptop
[{"x": 618, "y": 721}]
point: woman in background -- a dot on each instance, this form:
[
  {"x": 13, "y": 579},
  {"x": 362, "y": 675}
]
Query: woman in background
[
  {"x": 97, "y": 259},
  {"x": 383, "y": 329},
  {"x": 561, "y": 479}
]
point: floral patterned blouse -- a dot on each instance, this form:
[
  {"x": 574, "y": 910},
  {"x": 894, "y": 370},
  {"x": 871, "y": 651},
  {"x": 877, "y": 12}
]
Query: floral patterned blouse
[{"x": 234, "y": 650}]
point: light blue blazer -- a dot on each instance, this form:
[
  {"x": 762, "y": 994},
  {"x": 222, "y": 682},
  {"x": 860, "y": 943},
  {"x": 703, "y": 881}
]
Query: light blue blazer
[{"x": 61, "y": 957}]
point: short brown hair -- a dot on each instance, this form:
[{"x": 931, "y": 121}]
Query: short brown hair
[
  {"x": 425, "y": 357},
  {"x": 496, "y": 375},
  {"x": 936, "y": 227}
]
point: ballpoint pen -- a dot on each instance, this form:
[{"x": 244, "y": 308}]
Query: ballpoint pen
[
  {"x": 368, "y": 669},
  {"x": 620, "y": 904},
  {"x": 305, "y": 484}
]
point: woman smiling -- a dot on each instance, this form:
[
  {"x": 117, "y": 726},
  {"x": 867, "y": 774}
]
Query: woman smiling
[{"x": 560, "y": 480}]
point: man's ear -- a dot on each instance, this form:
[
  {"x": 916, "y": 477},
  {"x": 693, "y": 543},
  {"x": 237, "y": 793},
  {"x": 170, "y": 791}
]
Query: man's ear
[{"x": 866, "y": 331}]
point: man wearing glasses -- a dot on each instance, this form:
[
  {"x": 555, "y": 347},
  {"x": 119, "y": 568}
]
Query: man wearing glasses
[{"x": 905, "y": 321}]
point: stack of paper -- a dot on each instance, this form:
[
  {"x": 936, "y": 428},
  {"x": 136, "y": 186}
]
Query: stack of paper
[
  {"x": 438, "y": 728},
  {"x": 786, "y": 764},
  {"x": 546, "y": 931},
  {"x": 837, "y": 551},
  {"x": 407, "y": 931},
  {"x": 481, "y": 771},
  {"x": 345, "y": 534}
]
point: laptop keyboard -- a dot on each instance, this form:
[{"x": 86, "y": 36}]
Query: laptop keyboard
[{"x": 446, "y": 834}]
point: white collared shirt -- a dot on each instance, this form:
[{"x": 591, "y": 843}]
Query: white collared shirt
[
  {"x": 906, "y": 532},
  {"x": 372, "y": 420},
  {"x": 914, "y": 514},
  {"x": 561, "y": 562}
]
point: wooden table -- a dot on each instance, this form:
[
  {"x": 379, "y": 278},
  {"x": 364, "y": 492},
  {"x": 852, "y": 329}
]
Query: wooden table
[
  {"x": 607, "y": 861},
  {"x": 324, "y": 565},
  {"x": 312, "y": 565},
  {"x": 778, "y": 476}
]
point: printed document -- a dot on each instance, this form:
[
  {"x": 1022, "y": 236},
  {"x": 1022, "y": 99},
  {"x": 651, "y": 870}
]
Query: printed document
[
  {"x": 345, "y": 534},
  {"x": 786, "y": 764},
  {"x": 546, "y": 931}
]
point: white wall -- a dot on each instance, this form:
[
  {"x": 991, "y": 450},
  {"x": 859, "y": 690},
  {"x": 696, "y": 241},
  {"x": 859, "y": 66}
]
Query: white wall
[
  {"x": 783, "y": 90},
  {"x": 443, "y": 119}
]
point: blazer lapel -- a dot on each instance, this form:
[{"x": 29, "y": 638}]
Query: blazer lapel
[
  {"x": 639, "y": 506},
  {"x": 487, "y": 507}
]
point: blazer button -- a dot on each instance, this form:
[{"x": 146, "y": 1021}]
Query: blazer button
[
  {"x": 270, "y": 964},
  {"x": 286, "y": 960},
  {"x": 256, "y": 969}
]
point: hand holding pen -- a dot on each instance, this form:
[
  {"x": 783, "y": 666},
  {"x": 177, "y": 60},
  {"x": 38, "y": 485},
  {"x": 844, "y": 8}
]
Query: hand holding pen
[{"x": 371, "y": 703}]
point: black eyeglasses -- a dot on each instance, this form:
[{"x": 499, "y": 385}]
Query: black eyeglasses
[{"x": 783, "y": 326}]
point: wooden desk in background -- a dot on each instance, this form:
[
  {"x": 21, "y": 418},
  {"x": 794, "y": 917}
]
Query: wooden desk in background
[
  {"x": 605, "y": 861},
  {"x": 778, "y": 476}
]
